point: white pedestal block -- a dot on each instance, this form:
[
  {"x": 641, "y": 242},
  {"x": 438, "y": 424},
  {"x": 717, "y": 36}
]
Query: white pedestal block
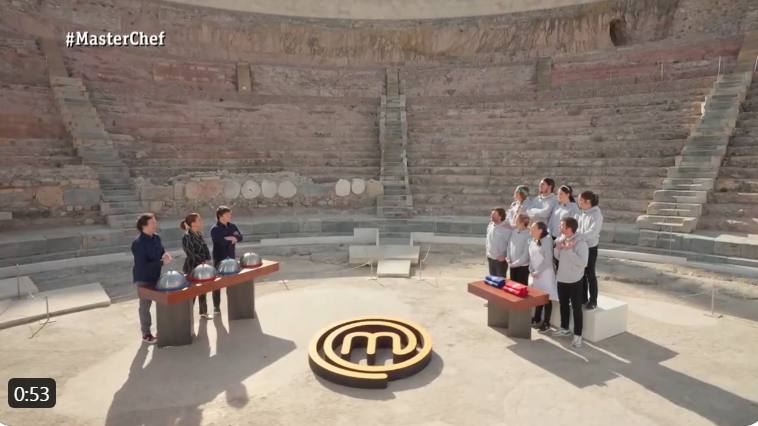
[{"x": 608, "y": 319}]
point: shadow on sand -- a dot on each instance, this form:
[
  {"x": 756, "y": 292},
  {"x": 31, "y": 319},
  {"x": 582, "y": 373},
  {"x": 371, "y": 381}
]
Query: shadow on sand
[
  {"x": 176, "y": 381},
  {"x": 639, "y": 360}
]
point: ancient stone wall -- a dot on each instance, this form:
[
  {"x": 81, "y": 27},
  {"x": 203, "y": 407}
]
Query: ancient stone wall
[
  {"x": 257, "y": 193},
  {"x": 219, "y": 35},
  {"x": 71, "y": 192}
]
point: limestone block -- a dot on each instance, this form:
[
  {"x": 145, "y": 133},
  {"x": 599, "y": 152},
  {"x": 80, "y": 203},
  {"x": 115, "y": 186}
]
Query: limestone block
[
  {"x": 232, "y": 189},
  {"x": 313, "y": 189},
  {"x": 250, "y": 189},
  {"x": 342, "y": 187},
  {"x": 269, "y": 188},
  {"x": 6, "y": 215},
  {"x": 156, "y": 192},
  {"x": 358, "y": 186},
  {"x": 81, "y": 197},
  {"x": 287, "y": 189},
  {"x": 178, "y": 190},
  {"x": 209, "y": 189},
  {"x": 191, "y": 190},
  {"x": 49, "y": 196},
  {"x": 374, "y": 188}
]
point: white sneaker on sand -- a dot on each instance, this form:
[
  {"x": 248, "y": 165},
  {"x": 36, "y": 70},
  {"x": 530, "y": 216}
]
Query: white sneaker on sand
[{"x": 577, "y": 342}]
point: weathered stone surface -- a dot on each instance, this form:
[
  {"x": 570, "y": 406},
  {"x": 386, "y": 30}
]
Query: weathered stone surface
[
  {"x": 156, "y": 192},
  {"x": 342, "y": 187},
  {"x": 192, "y": 190},
  {"x": 358, "y": 186},
  {"x": 250, "y": 189},
  {"x": 232, "y": 189},
  {"x": 269, "y": 188},
  {"x": 81, "y": 196},
  {"x": 374, "y": 188},
  {"x": 287, "y": 189},
  {"x": 49, "y": 196}
]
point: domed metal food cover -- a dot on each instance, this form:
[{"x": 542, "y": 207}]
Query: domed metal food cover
[
  {"x": 172, "y": 280},
  {"x": 251, "y": 260},
  {"x": 228, "y": 266},
  {"x": 204, "y": 272}
]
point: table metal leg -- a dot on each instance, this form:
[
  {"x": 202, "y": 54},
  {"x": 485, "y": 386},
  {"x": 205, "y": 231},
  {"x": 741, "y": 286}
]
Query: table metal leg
[
  {"x": 174, "y": 323},
  {"x": 240, "y": 300}
]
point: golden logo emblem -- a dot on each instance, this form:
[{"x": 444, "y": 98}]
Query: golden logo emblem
[{"x": 329, "y": 352}]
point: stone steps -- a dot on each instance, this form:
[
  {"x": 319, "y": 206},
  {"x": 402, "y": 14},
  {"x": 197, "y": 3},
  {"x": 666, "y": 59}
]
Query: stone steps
[
  {"x": 659, "y": 208},
  {"x": 667, "y": 223}
]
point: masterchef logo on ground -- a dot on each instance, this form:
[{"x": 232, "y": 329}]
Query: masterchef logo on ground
[{"x": 329, "y": 352}]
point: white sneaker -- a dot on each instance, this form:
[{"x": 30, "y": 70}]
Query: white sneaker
[
  {"x": 577, "y": 342},
  {"x": 561, "y": 332}
]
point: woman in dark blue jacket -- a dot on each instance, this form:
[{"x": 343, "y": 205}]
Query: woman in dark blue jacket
[{"x": 149, "y": 257}]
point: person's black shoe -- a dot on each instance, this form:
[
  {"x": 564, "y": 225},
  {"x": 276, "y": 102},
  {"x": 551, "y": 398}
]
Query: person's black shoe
[
  {"x": 535, "y": 322},
  {"x": 590, "y": 305},
  {"x": 217, "y": 310},
  {"x": 545, "y": 326}
]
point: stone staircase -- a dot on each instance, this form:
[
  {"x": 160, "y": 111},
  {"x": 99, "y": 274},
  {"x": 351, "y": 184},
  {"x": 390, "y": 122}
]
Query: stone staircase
[
  {"x": 677, "y": 207},
  {"x": 120, "y": 203},
  {"x": 396, "y": 202}
]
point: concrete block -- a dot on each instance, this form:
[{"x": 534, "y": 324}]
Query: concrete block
[
  {"x": 6, "y": 215},
  {"x": 62, "y": 301},
  {"x": 394, "y": 268},
  {"x": 364, "y": 254},
  {"x": 9, "y": 287},
  {"x": 607, "y": 320},
  {"x": 365, "y": 235}
]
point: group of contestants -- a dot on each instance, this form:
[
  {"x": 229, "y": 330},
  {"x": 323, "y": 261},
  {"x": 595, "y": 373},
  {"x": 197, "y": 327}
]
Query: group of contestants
[{"x": 553, "y": 239}]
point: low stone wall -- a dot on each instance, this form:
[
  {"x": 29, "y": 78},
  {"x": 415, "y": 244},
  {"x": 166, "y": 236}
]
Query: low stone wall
[
  {"x": 259, "y": 193},
  {"x": 69, "y": 193}
]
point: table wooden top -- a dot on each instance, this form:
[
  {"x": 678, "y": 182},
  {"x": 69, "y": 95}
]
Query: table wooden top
[
  {"x": 501, "y": 297},
  {"x": 195, "y": 289}
]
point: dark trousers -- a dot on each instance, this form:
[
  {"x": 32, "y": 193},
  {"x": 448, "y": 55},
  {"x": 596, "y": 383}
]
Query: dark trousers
[
  {"x": 520, "y": 274},
  {"x": 497, "y": 268},
  {"x": 548, "y": 312},
  {"x": 589, "y": 281},
  {"x": 204, "y": 304},
  {"x": 555, "y": 261},
  {"x": 570, "y": 299}
]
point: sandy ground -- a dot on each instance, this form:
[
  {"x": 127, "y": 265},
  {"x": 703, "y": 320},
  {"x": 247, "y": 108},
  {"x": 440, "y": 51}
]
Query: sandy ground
[{"x": 675, "y": 365}]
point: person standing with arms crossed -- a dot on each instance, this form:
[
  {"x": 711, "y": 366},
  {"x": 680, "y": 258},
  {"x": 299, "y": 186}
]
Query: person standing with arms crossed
[{"x": 225, "y": 235}]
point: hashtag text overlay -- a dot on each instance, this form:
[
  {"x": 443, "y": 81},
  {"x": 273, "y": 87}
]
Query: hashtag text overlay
[{"x": 132, "y": 39}]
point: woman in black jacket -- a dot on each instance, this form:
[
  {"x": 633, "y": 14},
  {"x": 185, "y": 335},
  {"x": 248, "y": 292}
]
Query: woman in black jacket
[{"x": 196, "y": 250}]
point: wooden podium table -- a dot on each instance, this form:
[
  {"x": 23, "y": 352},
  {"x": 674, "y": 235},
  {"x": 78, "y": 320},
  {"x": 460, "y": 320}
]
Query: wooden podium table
[
  {"x": 174, "y": 308},
  {"x": 508, "y": 310}
]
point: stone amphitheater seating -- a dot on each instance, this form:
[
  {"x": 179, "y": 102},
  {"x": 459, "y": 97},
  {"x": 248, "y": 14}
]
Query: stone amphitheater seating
[
  {"x": 35, "y": 153},
  {"x": 733, "y": 206},
  {"x": 467, "y": 153},
  {"x": 182, "y": 123}
]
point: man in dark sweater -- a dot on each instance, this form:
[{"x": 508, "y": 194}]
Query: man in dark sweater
[
  {"x": 225, "y": 235},
  {"x": 149, "y": 257}
]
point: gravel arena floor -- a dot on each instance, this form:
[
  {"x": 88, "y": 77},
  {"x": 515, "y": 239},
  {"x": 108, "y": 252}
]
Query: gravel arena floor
[{"x": 675, "y": 365}]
